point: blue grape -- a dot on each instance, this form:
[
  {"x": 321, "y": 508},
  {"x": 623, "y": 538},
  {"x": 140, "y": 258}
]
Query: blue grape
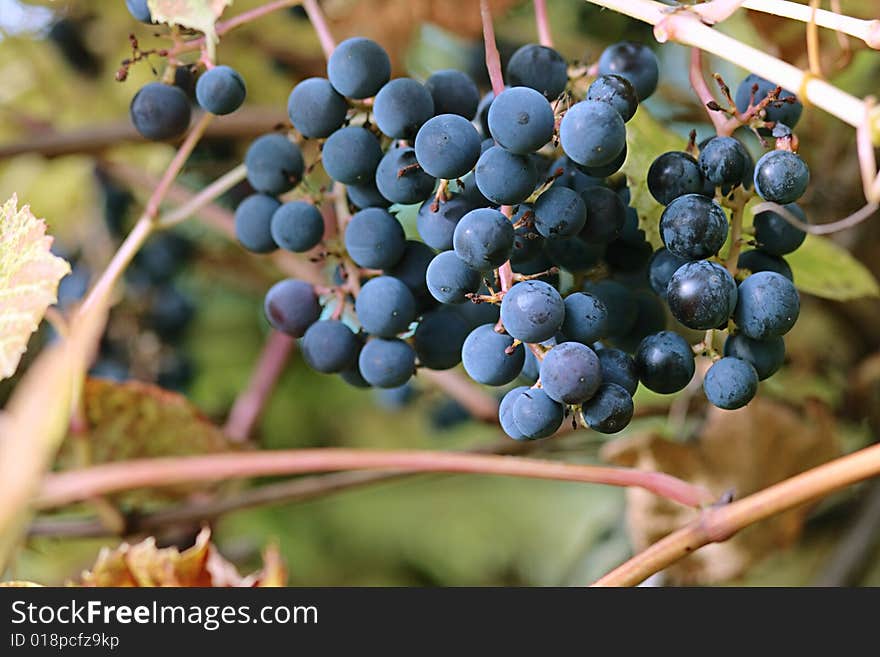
[
  {"x": 570, "y": 372},
  {"x": 274, "y": 164},
  {"x": 675, "y": 174},
  {"x": 585, "y": 318},
  {"x": 768, "y": 306},
  {"x": 701, "y": 295},
  {"x": 220, "y": 90},
  {"x": 374, "y": 239},
  {"x": 291, "y": 306},
  {"x": 160, "y": 111},
  {"x": 329, "y": 346},
  {"x": 485, "y": 358},
  {"x": 620, "y": 303},
  {"x": 358, "y": 68},
  {"x": 453, "y": 92},
  {"x": 618, "y": 92},
  {"x": 387, "y": 363},
  {"x": 532, "y": 311},
  {"x": 606, "y": 215},
  {"x": 592, "y": 133},
  {"x": 439, "y": 337},
  {"x": 521, "y": 120},
  {"x": 401, "y": 107},
  {"x": 170, "y": 312},
  {"x": 315, "y": 108},
  {"x": 724, "y": 161},
  {"x": 447, "y": 146},
  {"x": 775, "y": 235},
  {"x": 560, "y": 212},
  {"x": 755, "y": 260},
  {"x": 297, "y": 226},
  {"x": 779, "y": 111},
  {"x": 609, "y": 169},
  {"x": 619, "y": 368},
  {"x": 781, "y": 177},
  {"x": 766, "y": 356},
  {"x": 385, "y": 307},
  {"x": 693, "y": 227},
  {"x": 662, "y": 266},
  {"x": 400, "y": 178},
  {"x": 634, "y": 61},
  {"x": 366, "y": 196},
  {"x": 665, "y": 362},
  {"x": 436, "y": 227},
  {"x": 139, "y": 10},
  {"x": 539, "y": 68},
  {"x": 351, "y": 155},
  {"x": 650, "y": 319},
  {"x": 504, "y": 177},
  {"x": 412, "y": 267},
  {"x": 449, "y": 279},
  {"x": 730, "y": 383},
  {"x": 253, "y": 223},
  {"x": 573, "y": 253},
  {"x": 609, "y": 410},
  {"x": 505, "y": 413},
  {"x": 483, "y": 239},
  {"x": 536, "y": 415}
]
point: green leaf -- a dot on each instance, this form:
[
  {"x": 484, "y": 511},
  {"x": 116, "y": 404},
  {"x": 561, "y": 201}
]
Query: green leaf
[
  {"x": 198, "y": 15},
  {"x": 29, "y": 277},
  {"x": 825, "y": 269},
  {"x": 646, "y": 139}
]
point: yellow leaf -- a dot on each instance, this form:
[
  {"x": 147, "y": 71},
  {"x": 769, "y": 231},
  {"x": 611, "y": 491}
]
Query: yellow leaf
[
  {"x": 29, "y": 276},
  {"x": 198, "y": 15}
]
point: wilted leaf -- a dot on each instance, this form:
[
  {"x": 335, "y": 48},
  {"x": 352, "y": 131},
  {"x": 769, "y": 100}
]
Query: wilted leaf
[
  {"x": 195, "y": 14},
  {"x": 744, "y": 451},
  {"x": 29, "y": 276},
  {"x": 646, "y": 138},
  {"x": 145, "y": 565},
  {"x": 138, "y": 420},
  {"x": 825, "y": 269}
]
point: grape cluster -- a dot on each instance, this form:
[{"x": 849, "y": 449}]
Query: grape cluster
[{"x": 531, "y": 266}]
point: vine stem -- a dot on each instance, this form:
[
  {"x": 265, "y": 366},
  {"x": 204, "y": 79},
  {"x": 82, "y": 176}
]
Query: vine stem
[
  {"x": 319, "y": 23},
  {"x": 718, "y": 524},
  {"x": 207, "y": 195},
  {"x": 249, "y": 404},
  {"x": 543, "y": 24},
  {"x": 146, "y": 223},
  {"x": 857, "y": 217},
  {"x": 866, "y": 30},
  {"x": 75, "y": 485},
  {"x": 698, "y": 83},
  {"x": 686, "y": 27}
]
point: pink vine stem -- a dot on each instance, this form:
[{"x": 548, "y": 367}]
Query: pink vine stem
[
  {"x": 543, "y": 23},
  {"x": 76, "y": 485},
  {"x": 698, "y": 82},
  {"x": 319, "y": 23}
]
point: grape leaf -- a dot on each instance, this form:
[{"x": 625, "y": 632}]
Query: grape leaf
[
  {"x": 825, "y": 269},
  {"x": 29, "y": 276},
  {"x": 646, "y": 138},
  {"x": 199, "y": 15},
  {"x": 145, "y": 564},
  {"x": 131, "y": 419}
]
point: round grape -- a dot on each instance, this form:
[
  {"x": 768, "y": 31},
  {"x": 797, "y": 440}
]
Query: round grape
[
  {"x": 662, "y": 266},
  {"x": 453, "y": 92},
  {"x": 619, "y": 302},
  {"x": 634, "y": 61},
  {"x": 521, "y": 120},
  {"x": 315, "y": 108},
  {"x": 504, "y": 177},
  {"x": 385, "y": 306},
  {"x": 366, "y": 196},
  {"x": 483, "y": 239},
  {"x": 274, "y": 164},
  {"x": 297, "y": 226},
  {"x": 724, "y": 161},
  {"x": 665, "y": 362},
  {"x": 610, "y": 409},
  {"x": 536, "y": 415},
  {"x": 532, "y": 311},
  {"x": 775, "y": 235},
  {"x": 592, "y": 133},
  {"x": 701, "y": 295},
  {"x": 139, "y": 10},
  {"x": 220, "y": 90},
  {"x": 755, "y": 260},
  {"x": 539, "y": 68},
  {"x": 618, "y": 92},
  {"x": 485, "y": 358},
  {"x": 401, "y": 107},
  {"x": 693, "y": 227},
  {"x": 766, "y": 356},
  {"x": 436, "y": 227},
  {"x": 779, "y": 111},
  {"x": 675, "y": 174},
  {"x": 606, "y": 215},
  {"x": 618, "y": 367},
  {"x": 730, "y": 383},
  {"x": 559, "y": 212},
  {"x": 505, "y": 413},
  {"x": 358, "y": 68},
  {"x": 585, "y": 318},
  {"x": 768, "y": 306},
  {"x": 291, "y": 306},
  {"x": 386, "y": 363},
  {"x": 447, "y": 146},
  {"x": 253, "y": 223},
  {"x": 160, "y": 111},
  {"x": 449, "y": 279},
  {"x": 400, "y": 178},
  {"x": 374, "y": 239},
  {"x": 439, "y": 337},
  {"x": 781, "y": 177},
  {"x": 412, "y": 267},
  {"x": 351, "y": 155},
  {"x": 329, "y": 346},
  {"x": 570, "y": 372}
]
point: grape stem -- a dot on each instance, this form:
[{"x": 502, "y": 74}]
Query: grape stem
[
  {"x": 542, "y": 22},
  {"x": 249, "y": 404},
  {"x": 207, "y": 195},
  {"x": 866, "y": 30},
  {"x": 698, "y": 83},
  {"x": 319, "y": 23},
  {"x": 718, "y": 523},
  {"x": 81, "y": 484}
]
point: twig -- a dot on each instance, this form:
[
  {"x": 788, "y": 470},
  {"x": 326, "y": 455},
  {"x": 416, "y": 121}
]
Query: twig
[
  {"x": 249, "y": 404},
  {"x": 698, "y": 83},
  {"x": 481, "y": 405},
  {"x": 493, "y": 59},
  {"x": 866, "y": 30},
  {"x": 852, "y": 220},
  {"x": 319, "y": 23},
  {"x": 74, "y": 485},
  {"x": 813, "y": 59},
  {"x": 207, "y": 195},
  {"x": 718, "y": 524},
  {"x": 543, "y": 24}
]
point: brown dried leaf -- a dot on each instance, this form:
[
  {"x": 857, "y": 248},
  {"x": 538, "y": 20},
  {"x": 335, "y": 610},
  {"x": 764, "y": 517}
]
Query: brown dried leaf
[
  {"x": 743, "y": 451},
  {"x": 29, "y": 276},
  {"x": 202, "y": 565}
]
